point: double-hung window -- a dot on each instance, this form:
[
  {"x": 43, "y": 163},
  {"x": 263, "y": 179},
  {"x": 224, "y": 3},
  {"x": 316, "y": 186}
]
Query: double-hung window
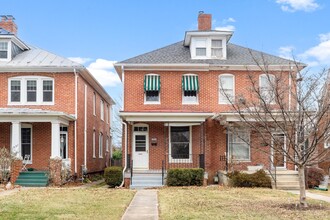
[
  {"x": 266, "y": 88},
  {"x": 226, "y": 88},
  {"x": 94, "y": 142},
  {"x": 190, "y": 88},
  {"x": 31, "y": 90},
  {"x": 216, "y": 48},
  {"x": 239, "y": 145},
  {"x": 3, "y": 50},
  {"x": 200, "y": 48},
  {"x": 102, "y": 110},
  {"x": 151, "y": 89},
  {"x": 47, "y": 90},
  {"x": 101, "y": 145},
  {"x": 15, "y": 90}
]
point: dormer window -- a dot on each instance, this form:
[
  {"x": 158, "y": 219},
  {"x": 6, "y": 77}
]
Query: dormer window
[
  {"x": 3, "y": 50},
  {"x": 201, "y": 48},
  {"x": 216, "y": 48},
  {"x": 211, "y": 47}
]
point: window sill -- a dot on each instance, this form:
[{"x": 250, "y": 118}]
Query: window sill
[
  {"x": 242, "y": 161},
  {"x": 31, "y": 103},
  {"x": 100, "y": 157},
  {"x": 190, "y": 103},
  {"x": 151, "y": 103},
  {"x": 180, "y": 160}
]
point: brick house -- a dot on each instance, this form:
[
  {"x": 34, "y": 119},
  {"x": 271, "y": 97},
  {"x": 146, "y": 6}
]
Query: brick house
[
  {"x": 172, "y": 95},
  {"x": 51, "y": 107}
]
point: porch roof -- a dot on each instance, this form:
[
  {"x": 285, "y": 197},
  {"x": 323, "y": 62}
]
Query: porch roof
[
  {"x": 32, "y": 115},
  {"x": 165, "y": 116}
]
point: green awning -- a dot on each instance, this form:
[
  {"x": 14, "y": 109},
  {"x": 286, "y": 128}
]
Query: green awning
[
  {"x": 190, "y": 83},
  {"x": 151, "y": 83}
]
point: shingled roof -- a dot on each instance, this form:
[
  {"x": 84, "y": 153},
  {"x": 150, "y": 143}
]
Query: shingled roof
[{"x": 177, "y": 53}]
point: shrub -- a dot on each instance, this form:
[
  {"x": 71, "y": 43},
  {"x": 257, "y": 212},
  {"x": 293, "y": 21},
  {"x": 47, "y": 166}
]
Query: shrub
[
  {"x": 117, "y": 154},
  {"x": 113, "y": 176},
  {"x": 5, "y": 163},
  {"x": 314, "y": 176},
  {"x": 257, "y": 179},
  {"x": 185, "y": 177}
]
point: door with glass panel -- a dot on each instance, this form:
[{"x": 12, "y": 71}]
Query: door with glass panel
[{"x": 140, "y": 148}]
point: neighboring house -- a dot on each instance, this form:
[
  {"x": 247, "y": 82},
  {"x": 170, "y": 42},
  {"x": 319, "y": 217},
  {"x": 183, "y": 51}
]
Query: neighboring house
[
  {"x": 51, "y": 107},
  {"x": 172, "y": 94}
]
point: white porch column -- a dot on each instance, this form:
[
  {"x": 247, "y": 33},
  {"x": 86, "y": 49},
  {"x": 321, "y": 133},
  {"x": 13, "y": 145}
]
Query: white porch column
[
  {"x": 16, "y": 139},
  {"x": 56, "y": 152}
]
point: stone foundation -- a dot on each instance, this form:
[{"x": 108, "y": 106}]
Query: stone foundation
[
  {"x": 16, "y": 168},
  {"x": 55, "y": 168}
]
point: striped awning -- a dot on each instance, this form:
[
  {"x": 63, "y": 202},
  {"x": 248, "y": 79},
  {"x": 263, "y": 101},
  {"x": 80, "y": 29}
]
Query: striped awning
[
  {"x": 151, "y": 83},
  {"x": 190, "y": 83}
]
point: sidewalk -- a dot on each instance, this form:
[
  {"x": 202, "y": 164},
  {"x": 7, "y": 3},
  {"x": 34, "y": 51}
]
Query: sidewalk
[
  {"x": 312, "y": 195},
  {"x": 143, "y": 206}
]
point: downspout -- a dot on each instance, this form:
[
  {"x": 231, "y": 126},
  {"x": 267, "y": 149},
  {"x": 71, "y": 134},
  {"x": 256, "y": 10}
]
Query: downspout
[
  {"x": 85, "y": 130},
  {"x": 75, "y": 122},
  {"x": 290, "y": 87},
  {"x": 125, "y": 167},
  {"x": 226, "y": 153}
]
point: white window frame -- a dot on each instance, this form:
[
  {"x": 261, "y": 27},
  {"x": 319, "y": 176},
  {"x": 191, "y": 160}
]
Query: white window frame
[
  {"x": 221, "y": 47},
  {"x": 327, "y": 143},
  {"x": 188, "y": 102},
  {"x": 23, "y": 93},
  {"x": 145, "y": 93},
  {"x": 196, "y": 41},
  {"x": 102, "y": 110},
  {"x": 67, "y": 147},
  {"x": 107, "y": 113},
  {"x": 268, "y": 77},
  {"x": 100, "y": 145},
  {"x": 171, "y": 160},
  {"x": 9, "y": 44},
  {"x": 94, "y": 143},
  {"x": 94, "y": 103},
  {"x": 230, "y": 144},
  {"x": 107, "y": 144},
  {"x": 28, "y": 126},
  {"x": 28, "y": 90},
  {"x": 222, "y": 101}
]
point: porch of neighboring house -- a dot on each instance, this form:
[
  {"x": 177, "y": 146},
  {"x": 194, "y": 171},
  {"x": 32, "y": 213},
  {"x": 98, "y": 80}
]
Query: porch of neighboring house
[
  {"x": 160, "y": 141},
  {"x": 36, "y": 138}
]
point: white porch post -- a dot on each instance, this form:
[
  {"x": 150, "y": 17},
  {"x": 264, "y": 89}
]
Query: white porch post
[
  {"x": 16, "y": 139},
  {"x": 55, "y": 139}
]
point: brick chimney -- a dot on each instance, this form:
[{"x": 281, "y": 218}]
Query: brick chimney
[
  {"x": 204, "y": 21},
  {"x": 8, "y": 23}
]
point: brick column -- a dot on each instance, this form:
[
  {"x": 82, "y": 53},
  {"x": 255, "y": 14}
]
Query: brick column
[
  {"x": 55, "y": 168},
  {"x": 16, "y": 167}
]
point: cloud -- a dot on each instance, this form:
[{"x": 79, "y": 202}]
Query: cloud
[
  {"x": 298, "y": 5},
  {"x": 80, "y": 60},
  {"x": 286, "y": 52},
  {"x": 319, "y": 54},
  {"x": 225, "y": 26},
  {"x": 103, "y": 71}
]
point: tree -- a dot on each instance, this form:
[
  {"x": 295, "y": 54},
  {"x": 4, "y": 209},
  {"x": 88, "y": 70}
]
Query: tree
[
  {"x": 289, "y": 102},
  {"x": 116, "y": 127}
]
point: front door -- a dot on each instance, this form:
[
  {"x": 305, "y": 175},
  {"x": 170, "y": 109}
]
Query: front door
[
  {"x": 278, "y": 149},
  {"x": 63, "y": 144},
  {"x": 140, "y": 150}
]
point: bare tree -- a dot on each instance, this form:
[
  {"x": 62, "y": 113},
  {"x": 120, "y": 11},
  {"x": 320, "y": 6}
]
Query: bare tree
[
  {"x": 289, "y": 106},
  {"x": 116, "y": 127}
]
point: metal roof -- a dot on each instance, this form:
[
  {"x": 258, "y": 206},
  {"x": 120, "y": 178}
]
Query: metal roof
[
  {"x": 177, "y": 53},
  {"x": 4, "y": 32}
]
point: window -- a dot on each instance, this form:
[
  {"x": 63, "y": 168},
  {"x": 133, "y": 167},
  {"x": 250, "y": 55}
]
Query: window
[
  {"x": 3, "y": 50},
  {"x": 107, "y": 114},
  {"x": 102, "y": 110},
  {"x": 200, "y": 47},
  {"x": 190, "y": 89},
  {"x": 94, "y": 139},
  {"x": 327, "y": 143},
  {"x": 15, "y": 91},
  {"x": 101, "y": 146},
  {"x": 151, "y": 89},
  {"x": 239, "y": 145},
  {"x": 107, "y": 145},
  {"x": 226, "y": 88},
  {"x": 94, "y": 103},
  {"x": 47, "y": 90},
  {"x": 266, "y": 84},
  {"x": 180, "y": 148},
  {"x": 26, "y": 141},
  {"x": 31, "y": 88},
  {"x": 216, "y": 48}
]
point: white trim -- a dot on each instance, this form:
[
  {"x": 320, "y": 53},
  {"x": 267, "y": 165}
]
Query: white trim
[
  {"x": 219, "y": 87},
  {"x": 67, "y": 144},
  {"x": 165, "y": 116},
  {"x": 171, "y": 160},
  {"x": 23, "y": 90},
  {"x": 85, "y": 127},
  {"x": 186, "y": 102},
  {"x": 75, "y": 122},
  {"x": 94, "y": 143},
  {"x": 94, "y": 103},
  {"x": 102, "y": 110},
  {"x": 272, "y": 151},
  {"x": 31, "y": 144},
  {"x": 181, "y": 124},
  {"x": 249, "y": 145},
  {"x": 9, "y": 45},
  {"x": 269, "y": 77},
  {"x": 208, "y": 46},
  {"x": 146, "y": 133},
  {"x": 101, "y": 145}
]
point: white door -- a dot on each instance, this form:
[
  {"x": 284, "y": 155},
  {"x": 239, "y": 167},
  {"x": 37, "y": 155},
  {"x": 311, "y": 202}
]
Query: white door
[
  {"x": 140, "y": 151},
  {"x": 278, "y": 149}
]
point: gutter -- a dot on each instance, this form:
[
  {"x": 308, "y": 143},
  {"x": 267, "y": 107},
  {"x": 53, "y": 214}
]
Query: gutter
[{"x": 124, "y": 170}]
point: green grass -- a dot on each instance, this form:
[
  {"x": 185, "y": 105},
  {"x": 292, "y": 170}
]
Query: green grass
[
  {"x": 65, "y": 203},
  {"x": 235, "y": 203}
]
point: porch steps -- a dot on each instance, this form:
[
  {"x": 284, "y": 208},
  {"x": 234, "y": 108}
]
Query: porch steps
[
  {"x": 33, "y": 179},
  {"x": 286, "y": 180},
  {"x": 146, "y": 179}
]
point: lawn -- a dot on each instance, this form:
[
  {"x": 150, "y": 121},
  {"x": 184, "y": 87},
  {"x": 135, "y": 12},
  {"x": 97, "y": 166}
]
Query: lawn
[
  {"x": 235, "y": 203},
  {"x": 320, "y": 192},
  {"x": 65, "y": 203}
]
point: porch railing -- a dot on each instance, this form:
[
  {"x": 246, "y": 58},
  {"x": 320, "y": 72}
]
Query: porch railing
[{"x": 184, "y": 161}]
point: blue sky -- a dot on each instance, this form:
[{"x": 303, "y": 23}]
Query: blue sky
[{"x": 98, "y": 33}]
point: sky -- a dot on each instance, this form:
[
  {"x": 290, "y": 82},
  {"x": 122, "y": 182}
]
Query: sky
[{"x": 100, "y": 33}]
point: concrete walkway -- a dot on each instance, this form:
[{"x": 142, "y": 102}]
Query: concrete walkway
[
  {"x": 143, "y": 206},
  {"x": 313, "y": 195}
]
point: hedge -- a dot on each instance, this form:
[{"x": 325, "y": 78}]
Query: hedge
[
  {"x": 185, "y": 177},
  {"x": 314, "y": 177},
  {"x": 257, "y": 179},
  {"x": 113, "y": 176}
]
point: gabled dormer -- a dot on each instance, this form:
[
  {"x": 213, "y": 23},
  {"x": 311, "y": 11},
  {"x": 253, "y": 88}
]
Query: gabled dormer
[
  {"x": 206, "y": 43},
  {"x": 10, "y": 44}
]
